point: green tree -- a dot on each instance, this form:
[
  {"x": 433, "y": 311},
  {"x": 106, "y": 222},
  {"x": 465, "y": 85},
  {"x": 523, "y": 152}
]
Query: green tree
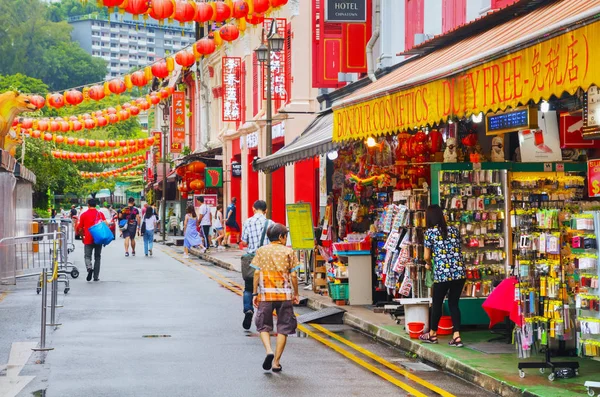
[{"x": 23, "y": 83}]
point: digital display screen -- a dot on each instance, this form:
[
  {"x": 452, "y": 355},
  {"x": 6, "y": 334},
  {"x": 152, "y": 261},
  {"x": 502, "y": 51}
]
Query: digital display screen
[{"x": 516, "y": 120}]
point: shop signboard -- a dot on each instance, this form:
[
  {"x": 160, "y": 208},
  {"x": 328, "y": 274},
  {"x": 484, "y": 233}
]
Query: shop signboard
[
  {"x": 209, "y": 199},
  {"x": 571, "y": 133},
  {"x": 551, "y": 67},
  {"x": 149, "y": 166},
  {"x": 178, "y": 122},
  {"x": 524, "y": 118},
  {"x": 158, "y": 144},
  {"x": 236, "y": 169},
  {"x": 541, "y": 145},
  {"x": 213, "y": 176},
  {"x": 346, "y": 11},
  {"x": 231, "y": 77},
  {"x": 300, "y": 223},
  {"x": 278, "y": 63},
  {"x": 593, "y": 175}
]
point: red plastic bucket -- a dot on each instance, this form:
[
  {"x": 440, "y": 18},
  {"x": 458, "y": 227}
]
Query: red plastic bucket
[
  {"x": 445, "y": 326},
  {"x": 415, "y": 329}
]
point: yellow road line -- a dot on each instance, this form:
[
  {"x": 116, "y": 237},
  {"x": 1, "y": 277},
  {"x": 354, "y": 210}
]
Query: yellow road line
[
  {"x": 339, "y": 349},
  {"x": 362, "y": 363},
  {"x": 3, "y": 295},
  {"x": 383, "y": 361}
]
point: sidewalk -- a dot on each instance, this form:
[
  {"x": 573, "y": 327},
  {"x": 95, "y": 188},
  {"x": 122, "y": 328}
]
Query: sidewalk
[{"x": 495, "y": 371}]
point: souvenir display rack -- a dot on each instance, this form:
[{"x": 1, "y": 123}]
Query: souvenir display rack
[{"x": 541, "y": 262}]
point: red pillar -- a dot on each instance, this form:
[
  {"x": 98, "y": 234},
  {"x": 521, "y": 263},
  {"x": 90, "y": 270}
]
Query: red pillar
[
  {"x": 306, "y": 184},
  {"x": 251, "y": 183}
]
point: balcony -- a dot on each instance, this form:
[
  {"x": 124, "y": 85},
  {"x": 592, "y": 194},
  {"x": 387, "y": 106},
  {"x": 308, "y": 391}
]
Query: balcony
[
  {"x": 95, "y": 28},
  {"x": 114, "y": 30},
  {"x": 133, "y": 51},
  {"x": 105, "y": 38},
  {"x": 96, "y": 47},
  {"x": 124, "y": 41}
]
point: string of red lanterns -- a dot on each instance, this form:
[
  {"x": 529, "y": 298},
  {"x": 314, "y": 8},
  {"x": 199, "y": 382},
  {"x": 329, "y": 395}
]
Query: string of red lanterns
[
  {"x": 111, "y": 173},
  {"x": 97, "y": 156},
  {"x": 113, "y": 160},
  {"x": 91, "y": 142}
]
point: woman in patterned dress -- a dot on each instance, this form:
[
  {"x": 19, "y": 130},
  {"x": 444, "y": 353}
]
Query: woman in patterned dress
[{"x": 443, "y": 254}]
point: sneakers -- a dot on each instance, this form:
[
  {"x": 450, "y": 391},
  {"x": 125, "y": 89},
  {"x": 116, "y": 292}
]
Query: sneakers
[
  {"x": 150, "y": 251},
  {"x": 185, "y": 256},
  {"x": 89, "y": 275},
  {"x": 247, "y": 319}
]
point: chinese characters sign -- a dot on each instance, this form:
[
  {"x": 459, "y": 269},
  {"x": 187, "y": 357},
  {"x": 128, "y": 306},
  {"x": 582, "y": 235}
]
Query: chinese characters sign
[
  {"x": 158, "y": 138},
  {"x": 278, "y": 67},
  {"x": 231, "y": 81},
  {"x": 178, "y": 122},
  {"x": 563, "y": 63},
  {"x": 593, "y": 175}
]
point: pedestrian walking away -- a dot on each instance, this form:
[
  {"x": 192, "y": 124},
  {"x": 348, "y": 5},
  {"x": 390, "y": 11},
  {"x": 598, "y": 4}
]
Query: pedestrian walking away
[
  {"x": 218, "y": 226},
  {"x": 275, "y": 287},
  {"x": 191, "y": 238},
  {"x": 132, "y": 217},
  {"x": 231, "y": 225},
  {"x": 254, "y": 236},
  {"x": 148, "y": 226},
  {"x": 444, "y": 257},
  {"x": 88, "y": 219},
  {"x": 205, "y": 221}
]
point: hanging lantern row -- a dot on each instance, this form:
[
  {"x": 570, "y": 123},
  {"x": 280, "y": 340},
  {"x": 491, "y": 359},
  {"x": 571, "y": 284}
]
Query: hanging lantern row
[
  {"x": 98, "y": 119},
  {"x": 131, "y": 143},
  {"x": 109, "y": 174},
  {"x": 192, "y": 178},
  {"x": 87, "y": 157},
  {"x": 184, "y": 11},
  {"x": 116, "y": 170},
  {"x": 92, "y": 156}
]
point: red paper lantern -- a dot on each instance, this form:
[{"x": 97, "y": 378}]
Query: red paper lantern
[
  {"x": 54, "y": 126},
  {"x": 255, "y": 19},
  {"x": 134, "y": 110},
  {"x": 36, "y": 134},
  {"x": 420, "y": 136},
  {"x": 112, "y": 143},
  {"x": 70, "y": 140},
  {"x": 205, "y": 46},
  {"x": 185, "y": 59},
  {"x": 184, "y": 12},
  {"x": 144, "y": 105},
  {"x": 161, "y": 9},
  {"x": 113, "y": 118},
  {"x": 229, "y": 32},
  {"x": 122, "y": 143},
  {"x": 73, "y": 97},
  {"x": 43, "y": 125},
  {"x": 138, "y": 78},
  {"x": 159, "y": 70},
  {"x": 196, "y": 167},
  {"x": 81, "y": 142},
  {"x": 136, "y": 7},
  {"x": 71, "y": 155},
  {"x": 89, "y": 124},
  {"x": 117, "y": 86},
  {"x": 25, "y": 123},
  {"x": 101, "y": 121},
  {"x": 60, "y": 139},
  {"x": 111, "y": 110},
  {"x": 38, "y": 100},
  {"x": 150, "y": 140},
  {"x": 56, "y": 101},
  {"x": 91, "y": 143},
  {"x": 240, "y": 9},
  {"x": 261, "y": 6},
  {"x": 278, "y": 3},
  {"x": 164, "y": 93},
  {"x": 154, "y": 99},
  {"x": 420, "y": 148},
  {"x": 222, "y": 11},
  {"x": 65, "y": 126},
  {"x": 96, "y": 92},
  {"x": 420, "y": 158},
  {"x": 435, "y": 141},
  {"x": 101, "y": 143},
  {"x": 131, "y": 142},
  {"x": 112, "y": 3},
  {"x": 123, "y": 115},
  {"x": 204, "y": 12}
]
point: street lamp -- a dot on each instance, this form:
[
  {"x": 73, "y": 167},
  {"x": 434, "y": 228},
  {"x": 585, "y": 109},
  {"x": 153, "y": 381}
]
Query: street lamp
[
  {"x": 165, "y": 131},
  {"x": 275, "y": 43}
]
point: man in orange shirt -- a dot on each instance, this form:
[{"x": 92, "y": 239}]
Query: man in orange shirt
[
  {"x": 88, "y": 219},
  {"x": 275, "y": 288}
]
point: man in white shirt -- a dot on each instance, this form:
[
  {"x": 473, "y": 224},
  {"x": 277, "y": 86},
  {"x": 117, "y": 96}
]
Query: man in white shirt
[{"x": 205, "y": 221}]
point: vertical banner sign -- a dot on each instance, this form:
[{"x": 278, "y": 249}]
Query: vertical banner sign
[
  {"x": 278, "y": 75},
  {"x": 593, "y": 175},
  {"x": 231, "y": 77},
  {"x": 149, "y": 165},
  {"x": 158, "y": 142},
  {"x": 178, "y": 122}
]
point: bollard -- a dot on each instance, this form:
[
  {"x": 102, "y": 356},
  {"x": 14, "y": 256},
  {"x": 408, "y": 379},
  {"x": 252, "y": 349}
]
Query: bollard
[
  {"x": 53, "y": 306},
  {"x": 44, "y": 303}
]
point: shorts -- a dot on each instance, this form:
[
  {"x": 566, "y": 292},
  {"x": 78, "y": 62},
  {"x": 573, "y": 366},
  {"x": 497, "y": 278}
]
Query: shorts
[
  {"x": 131, "y": 231},
  {"x": 232, "y": 229},
  {"x": 218, "y": 229},
  {"x": 286, "y": 319}
]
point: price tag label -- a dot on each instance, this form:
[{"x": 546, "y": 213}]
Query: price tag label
[
  {"x": 547, "y": 167},
  {"x": 560, "y": 167},
  {"x": 593, "y": 178}
]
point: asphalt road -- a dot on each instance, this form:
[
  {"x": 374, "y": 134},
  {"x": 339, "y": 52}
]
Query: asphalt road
[{"x": 196, "y": 347}]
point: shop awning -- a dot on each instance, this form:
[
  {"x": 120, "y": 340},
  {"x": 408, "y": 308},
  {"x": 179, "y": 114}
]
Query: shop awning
[
  {"x": 532, "y": 57},
  {"x": 314, "y": 141}
]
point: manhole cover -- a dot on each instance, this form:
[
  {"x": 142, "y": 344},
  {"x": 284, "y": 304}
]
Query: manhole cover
[{"x": 156, "y": 336}]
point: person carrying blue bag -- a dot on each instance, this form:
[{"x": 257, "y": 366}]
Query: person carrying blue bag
[{"x": 96, "y": 233}]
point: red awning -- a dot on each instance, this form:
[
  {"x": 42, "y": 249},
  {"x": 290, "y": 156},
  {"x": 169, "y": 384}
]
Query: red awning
[{"x": 480, "y": 48}]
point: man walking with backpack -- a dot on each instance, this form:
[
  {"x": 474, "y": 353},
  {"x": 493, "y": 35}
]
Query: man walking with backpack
[
  {"x": 254, "y": 235},
  {"x": 132, "y": 217}
]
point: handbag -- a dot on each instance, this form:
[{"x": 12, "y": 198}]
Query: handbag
[
  {"x": 429, "y": 278},
  {"x": 123, "y": 225},
  {"x": 247, "y": 269},
  {"x": 101, "y": 233},
  {"x": 143, "y": 229}
]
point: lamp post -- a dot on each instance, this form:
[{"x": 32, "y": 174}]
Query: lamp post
[
  {"x": 275, "y": 43},
  {"x": 165, "y": 131}
]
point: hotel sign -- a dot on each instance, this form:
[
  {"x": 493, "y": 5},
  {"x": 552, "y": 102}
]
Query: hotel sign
[{"x": 346, "y": 11}]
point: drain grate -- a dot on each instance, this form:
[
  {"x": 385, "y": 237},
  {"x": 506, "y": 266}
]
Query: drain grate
[{"x": 156, "y": 336}]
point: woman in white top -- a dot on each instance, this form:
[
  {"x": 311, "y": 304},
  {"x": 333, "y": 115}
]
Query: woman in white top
[
  {"x": 218, "y": 225},
  {"x": 149, "y": 224}
]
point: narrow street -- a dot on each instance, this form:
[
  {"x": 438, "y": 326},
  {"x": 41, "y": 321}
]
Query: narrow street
[{"x": 165, "y": 326}]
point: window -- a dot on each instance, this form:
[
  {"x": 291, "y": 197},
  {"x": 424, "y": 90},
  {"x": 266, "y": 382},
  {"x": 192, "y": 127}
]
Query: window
[
  {"x": 415, "y": 20},
  {"x": 150, "y": 40},
  {"x": 114, "y": 64},
  {"x": 95, "y": 33},
  {"x": 113, "y": 35},
  {"x": 96, "y": 43},
  {"x": 168, "y": 42},
  {"x": 454, "y": 14},
  {"x": 95, "y": 53},
  {"x": 150, "y": 49}
]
